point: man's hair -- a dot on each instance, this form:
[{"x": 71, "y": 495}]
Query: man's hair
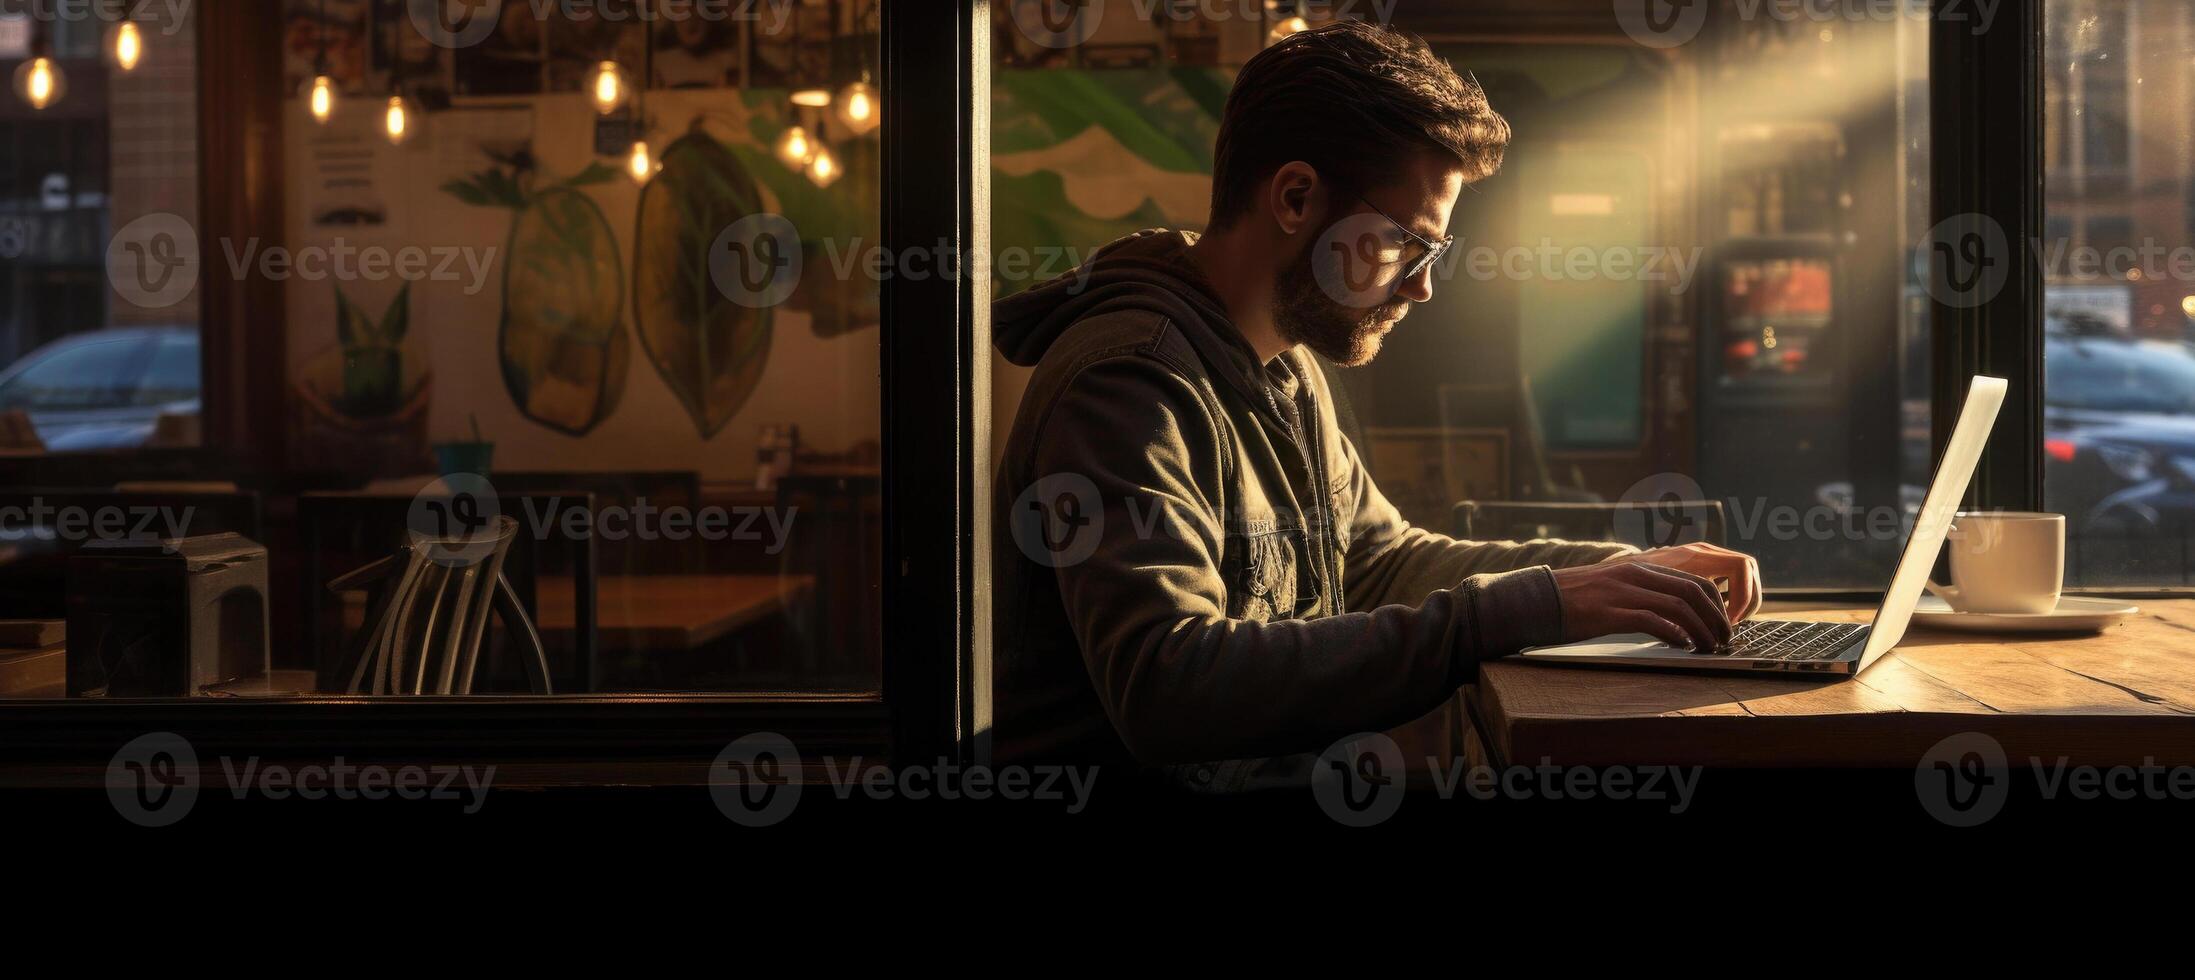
[{"x": 1352, "y": 100}]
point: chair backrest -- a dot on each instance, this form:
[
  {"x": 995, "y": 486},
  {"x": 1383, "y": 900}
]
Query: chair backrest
[
  {"x": 1641, "y": 524},
  {"x": 427, "y": 615},
  {"x": 344, "y": 529}
]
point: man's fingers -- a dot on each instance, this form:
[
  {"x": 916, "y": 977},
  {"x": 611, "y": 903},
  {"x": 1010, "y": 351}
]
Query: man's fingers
[
  {"x": 1698, "y": 635},
  {"x": 1700, "y": 593}
]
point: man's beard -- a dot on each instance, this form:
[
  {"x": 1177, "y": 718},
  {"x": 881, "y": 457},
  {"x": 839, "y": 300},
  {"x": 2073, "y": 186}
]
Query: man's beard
[{"x": 1304, "y": 313}]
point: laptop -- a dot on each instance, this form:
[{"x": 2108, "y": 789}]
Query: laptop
[{"x": 1826, "y": 648}]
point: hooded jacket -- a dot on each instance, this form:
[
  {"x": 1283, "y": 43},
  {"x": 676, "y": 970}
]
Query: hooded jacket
[{"x": 1191, "y": 563}]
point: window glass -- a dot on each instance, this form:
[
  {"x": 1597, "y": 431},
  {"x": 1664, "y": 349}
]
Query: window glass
[
  {"x": 106, "y": 154},
  {"x": 2118, "y": 259},
  {"x": 577, "y": 312},
  {"x": 85, "y": 375},
  {"x": 1692, "y": 280}
]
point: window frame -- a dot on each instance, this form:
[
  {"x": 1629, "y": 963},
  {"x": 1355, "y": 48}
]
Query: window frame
[{"x": 934, "y": 348}]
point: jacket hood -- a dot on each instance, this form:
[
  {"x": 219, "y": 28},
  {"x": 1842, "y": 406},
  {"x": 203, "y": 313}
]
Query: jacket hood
[{"x": 1147, "y": 271}]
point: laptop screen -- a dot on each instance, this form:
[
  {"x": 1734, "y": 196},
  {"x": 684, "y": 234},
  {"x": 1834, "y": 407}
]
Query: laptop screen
[{"x": 1983, "y": 399}]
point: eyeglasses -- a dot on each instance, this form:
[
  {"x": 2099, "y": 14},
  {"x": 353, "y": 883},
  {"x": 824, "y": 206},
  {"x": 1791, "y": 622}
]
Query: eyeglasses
[{"x": 1426, "y": 252}]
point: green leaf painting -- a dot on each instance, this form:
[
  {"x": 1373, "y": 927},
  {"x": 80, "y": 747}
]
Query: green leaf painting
[
  {"x": 561, "y": 338},
  {"x": 709, "y": 349},
  {"x": 373, "y": 355}
]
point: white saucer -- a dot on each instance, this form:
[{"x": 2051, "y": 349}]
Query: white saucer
[{"x": 2073, "y": 615}]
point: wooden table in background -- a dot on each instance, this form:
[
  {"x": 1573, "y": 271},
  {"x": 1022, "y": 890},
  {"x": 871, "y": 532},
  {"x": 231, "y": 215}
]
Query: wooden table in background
[
  {"x": 671, "y": 612},
  {"x": 2125, "y": 697}
]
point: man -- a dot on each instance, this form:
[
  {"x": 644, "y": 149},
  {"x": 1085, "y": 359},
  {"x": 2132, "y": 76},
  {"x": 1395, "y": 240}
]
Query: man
[{"x": 1193, "y": 566}]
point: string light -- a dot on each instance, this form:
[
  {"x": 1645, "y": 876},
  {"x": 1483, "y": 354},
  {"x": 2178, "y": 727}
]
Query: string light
[
  {"x": 607, "y": 88},
  {"x": 794, "y": 148},
  {"x": 823, "y": 167},
  {"x": 857, "y": 107},
  {"x": 398, "y": 121},
  {"x": 640, "y": 164},
  {"x": 129, "y": 47},
  {"x": 40, "y": 82},
  {"x": 813, "y": 98},
  {"x": 323, "y": 98}
]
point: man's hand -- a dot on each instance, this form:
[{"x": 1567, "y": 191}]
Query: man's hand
[
  {"x": 1736, "y": 573},
  {"x": 1625, "y": 595},
  {"x": 1670, "y": 594}
]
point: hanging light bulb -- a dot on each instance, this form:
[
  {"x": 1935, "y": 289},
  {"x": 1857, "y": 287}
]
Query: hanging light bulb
[
  {"x": 813, "y": 98},
  {"x": 40, "y": 82},
  {"x": 607, "y": 87},
  {"x": 640, "y": 164},
  {"x": 1288, "y": 25},
  {"x": 857, "y": 107},
  {"x": 129, "y": 46},
  {"x": 323, "y": 98},
  {"x": 398, "y": 120},
  {"x": 823, "y": 167},
  {"x": 794, "y": 148}
]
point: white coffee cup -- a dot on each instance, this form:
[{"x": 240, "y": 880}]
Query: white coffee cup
[{"x": 2005, "y": 562}]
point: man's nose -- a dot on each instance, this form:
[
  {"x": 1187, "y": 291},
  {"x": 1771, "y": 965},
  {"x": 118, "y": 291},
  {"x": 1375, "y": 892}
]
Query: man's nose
[{"x": 1417, "y": 288}]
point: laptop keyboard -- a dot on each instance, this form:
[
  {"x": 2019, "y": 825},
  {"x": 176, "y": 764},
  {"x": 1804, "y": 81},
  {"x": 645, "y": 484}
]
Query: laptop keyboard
[{"x": 1775, "y": 639}]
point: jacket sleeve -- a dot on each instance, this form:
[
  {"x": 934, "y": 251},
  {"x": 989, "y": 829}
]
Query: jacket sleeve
[
  {"x": 1389, "y": 561},
  {"x": 1180, "y": 680}
]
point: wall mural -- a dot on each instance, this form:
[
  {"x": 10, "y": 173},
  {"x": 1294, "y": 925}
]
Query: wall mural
[
  {"x": 362, "y": 402},
  {"x": 562, "y": 333},
  {"x": 707, "y": 346}
]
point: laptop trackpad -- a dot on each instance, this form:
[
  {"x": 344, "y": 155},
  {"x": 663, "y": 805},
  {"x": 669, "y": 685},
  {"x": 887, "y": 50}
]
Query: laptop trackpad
[{"x": 1629, "y": 646}]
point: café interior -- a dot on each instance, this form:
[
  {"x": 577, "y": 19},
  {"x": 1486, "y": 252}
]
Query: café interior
[{"x": 398, "y": 369}]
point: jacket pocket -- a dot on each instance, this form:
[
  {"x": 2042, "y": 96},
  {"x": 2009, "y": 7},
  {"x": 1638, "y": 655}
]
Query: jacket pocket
[{"x": 1265, "y": 581}]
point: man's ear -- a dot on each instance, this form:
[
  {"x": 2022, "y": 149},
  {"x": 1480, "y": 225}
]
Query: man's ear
[{"x": 1293, "y": 196}]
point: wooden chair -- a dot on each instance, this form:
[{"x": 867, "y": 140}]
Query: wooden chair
[
  {"x": 427, "y": 616},
  {"x": 1641, "y": 524}
]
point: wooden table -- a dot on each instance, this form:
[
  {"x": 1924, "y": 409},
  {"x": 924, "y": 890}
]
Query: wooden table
[
  {"x": 2126, "y": 697},
  {"x": 670, "y": 612}
]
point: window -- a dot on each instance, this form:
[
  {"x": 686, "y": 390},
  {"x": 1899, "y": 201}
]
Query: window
[
  {"x": 584, "y": 298},
  {"x": 2118, "y": 260},
  {"x": 1691, "y": 277},
  {"x": 113, "y": 154}
]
